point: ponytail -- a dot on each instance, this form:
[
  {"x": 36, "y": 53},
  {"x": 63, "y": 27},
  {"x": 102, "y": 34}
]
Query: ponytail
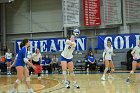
[{"x": 23, "y": 43}]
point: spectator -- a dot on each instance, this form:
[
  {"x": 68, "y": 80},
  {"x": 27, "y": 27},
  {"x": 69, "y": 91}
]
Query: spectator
[
  {"x": 8, "y": 57},
  {"x": 91, "y": 61},
  {"x": 49, "y": 64},
  {"x": 37, "y": 60},
  {"x": 54, "y": 62}
]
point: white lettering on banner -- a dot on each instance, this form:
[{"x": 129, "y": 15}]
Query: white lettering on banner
[
  {"x": 106, "y": 39},
  {"x": 53, "y": 47},
  {"x": 137, "y": 39},
  {"x": 35, "y": 44},
  {"x": 52, "y": 44},
  {"x": 116, "y": 42},
  {"x": 61, "y": 43},
  {"x": 81, "y": 43},
  {"x": 127, "y": 42},
  {"x": 43, "y": 47},
  {"x": 121, "y": 42}
]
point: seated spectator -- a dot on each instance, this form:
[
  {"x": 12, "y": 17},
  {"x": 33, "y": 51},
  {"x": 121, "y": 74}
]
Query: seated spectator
[
  {"x": 88, "y": 53},
  {"x": 43, "y": 59},
  {"x": 36, "y": 60},
  {"x": 48, "y": 62},
  {"x": 54, "y": 62},
  {"x": 91, "y": 61}
]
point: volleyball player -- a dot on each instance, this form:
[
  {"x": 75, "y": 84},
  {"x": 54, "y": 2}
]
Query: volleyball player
[
  {"x": 8, "y": 57},
  {"x": 22, "y": 71},
  {"x": 136, "y": 59},
  {"x": 107, "y": 57},
  {"x": 66, "y": 61},
  {"x": 37, "y": 60}
]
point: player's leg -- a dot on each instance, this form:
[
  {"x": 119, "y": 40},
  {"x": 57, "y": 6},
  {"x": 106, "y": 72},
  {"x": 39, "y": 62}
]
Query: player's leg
[
  {"x": 112, "y": 69},
  {"x": 70, "y": 67},
  {"x": 27, "y": 80},
  {"x": 20, "y": 76},
  {"x": 134, "y": 64},
  {"x": 8, "y": 67},
  {"x": 105, "y": 70},
  {"x": 64, "y": 72}
]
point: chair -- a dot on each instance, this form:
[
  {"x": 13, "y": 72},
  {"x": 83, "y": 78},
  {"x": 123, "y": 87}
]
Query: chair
[
  {"x": 80, "y": 66},
  {"x": 100, "y": 65}
]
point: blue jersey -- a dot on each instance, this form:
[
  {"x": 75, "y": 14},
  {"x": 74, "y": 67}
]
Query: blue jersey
[
  {"x": 48, "y": 60},
  {"x": 43, "y": 60},
  {"x": 91, "y": 58},
  {"x": 21, "y": 55}
]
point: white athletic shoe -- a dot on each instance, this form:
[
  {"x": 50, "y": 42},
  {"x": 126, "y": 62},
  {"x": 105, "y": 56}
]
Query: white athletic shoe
[
  {"x": 110, "y": 77},
  {"x": 128, "y": 79},
  {"x": 30, "y": 91},
  {"x": 67, "y": 84},
  {"x": 39, "y": 78},
  {"x": 13, "y": 91},
  {"x": 103, "y": 78},
  {"x": 76, "y": 85}
]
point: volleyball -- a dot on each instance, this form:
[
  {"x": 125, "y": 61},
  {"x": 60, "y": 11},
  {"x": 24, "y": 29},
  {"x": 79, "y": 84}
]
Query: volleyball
[{"x": 76, "y": 32}]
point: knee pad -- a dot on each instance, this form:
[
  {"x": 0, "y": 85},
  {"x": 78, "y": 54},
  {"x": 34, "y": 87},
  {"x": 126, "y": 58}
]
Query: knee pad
[
  {"x": 18, "y": 81},
  {"x": 132, "y": 72},
  {"x": 106, "y": 69},
  {"x": 112, "y": 69},
  {"x": 64, "y": 72},
  {"x": 28, "y": 79}
]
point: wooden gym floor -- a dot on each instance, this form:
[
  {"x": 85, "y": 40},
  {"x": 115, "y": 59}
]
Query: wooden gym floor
[{"x": 89, "y": 83}]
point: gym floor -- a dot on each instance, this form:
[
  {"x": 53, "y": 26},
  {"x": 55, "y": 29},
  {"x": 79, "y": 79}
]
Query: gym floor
[{"x": 89, "y": 83}]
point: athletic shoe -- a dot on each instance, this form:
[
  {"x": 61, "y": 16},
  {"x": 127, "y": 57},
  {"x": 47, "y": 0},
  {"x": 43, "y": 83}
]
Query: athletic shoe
[
  {"x": 67, "y": 84},
  {"x": 128, "y": 80},
  {"x": 76, "y": 85},
  {"x": 110, "y": 77},
  {"x": 39, "y": 78},
  {"x": 13, "y": 91},
  {"x": 30, "y": 91},
  {"x": 103, "y": 78}
]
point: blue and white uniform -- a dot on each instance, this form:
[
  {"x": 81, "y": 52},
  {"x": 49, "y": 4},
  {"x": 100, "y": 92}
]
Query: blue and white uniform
[
  {"x": 66, "y": 55},
  {"x": 20, "y": 58},
  {"x": 8, "y": 57},
  {"x": 136, "y": 51},
  {"x": 108, "y": 52},
  {"x": 29, "y": 55},
  {"x": 91, "y": 59}
]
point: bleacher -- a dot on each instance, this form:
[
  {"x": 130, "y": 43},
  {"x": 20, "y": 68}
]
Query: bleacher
[{"x": 119, "y": 60}]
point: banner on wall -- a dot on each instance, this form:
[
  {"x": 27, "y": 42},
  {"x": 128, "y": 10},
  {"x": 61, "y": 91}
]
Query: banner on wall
[
  {"x": 91, "y": 12},
  {"x": 70, "y": 10},
  {"x": 53, "y": 44},
  {"x": 121, "y": 41}
]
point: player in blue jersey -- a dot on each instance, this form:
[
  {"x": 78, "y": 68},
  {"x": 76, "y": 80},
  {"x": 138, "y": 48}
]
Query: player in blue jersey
[
  {"x": 22, "y": 71},
  {"x": 66, "y": 61}
]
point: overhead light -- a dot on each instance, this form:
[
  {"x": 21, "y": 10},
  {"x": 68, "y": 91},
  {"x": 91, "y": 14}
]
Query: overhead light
[{"x": 6, "y": 1}]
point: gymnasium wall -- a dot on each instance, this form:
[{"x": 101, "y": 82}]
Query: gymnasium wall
[{"x": 38, "y": 19}]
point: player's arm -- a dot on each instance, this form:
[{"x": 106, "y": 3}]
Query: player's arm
[
  {"x": 104, "y": 53},
  {"x": 133, "y": 52},
  {"x": 25, "y": 59},
  {"x": 6, "y": 55},
  {"x": 68, "y": 42},
  {"x": 13, "y": 63},
  {"x": 40, "y": 60},
  {"x": 113, "y": 54}
]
